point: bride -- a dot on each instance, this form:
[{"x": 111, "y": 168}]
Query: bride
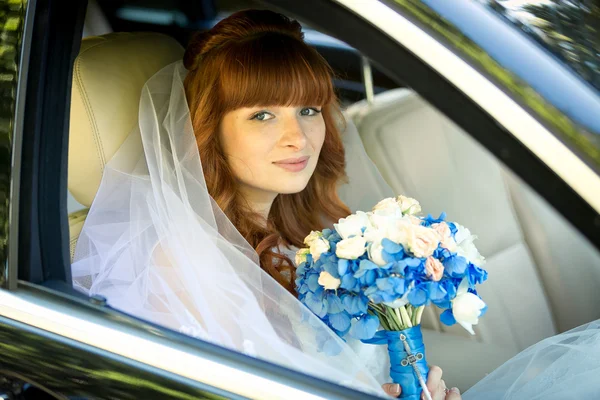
[{"x": 237, "y": 157}]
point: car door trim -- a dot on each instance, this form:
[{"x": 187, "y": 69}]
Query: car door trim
[{"x": 157, "y": 349}]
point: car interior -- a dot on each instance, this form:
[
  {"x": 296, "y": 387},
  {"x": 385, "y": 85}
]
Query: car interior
[{"x": 125, "y": 42}]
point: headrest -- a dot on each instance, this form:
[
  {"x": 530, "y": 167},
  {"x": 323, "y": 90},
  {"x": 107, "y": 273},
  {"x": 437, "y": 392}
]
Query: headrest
[{"x": 108, "y": 76}]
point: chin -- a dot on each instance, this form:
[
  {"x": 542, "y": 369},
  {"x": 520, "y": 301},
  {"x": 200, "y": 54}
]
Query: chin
[{"x": 290, "y": 187}]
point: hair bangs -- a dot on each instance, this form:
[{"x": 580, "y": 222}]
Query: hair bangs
[{"x": 274, "y": 70}]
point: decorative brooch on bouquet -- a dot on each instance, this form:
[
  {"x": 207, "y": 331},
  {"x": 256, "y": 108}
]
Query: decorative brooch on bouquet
[{"x": 372, "y": 277}]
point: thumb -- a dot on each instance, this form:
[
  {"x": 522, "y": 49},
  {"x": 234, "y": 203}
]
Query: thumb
[
  {"x": 453, "y": 394},
  {"x": 392, "y": 389}
]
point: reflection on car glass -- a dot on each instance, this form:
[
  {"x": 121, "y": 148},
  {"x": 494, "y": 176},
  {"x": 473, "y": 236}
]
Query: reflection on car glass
[{"x": 568, "y": 29}]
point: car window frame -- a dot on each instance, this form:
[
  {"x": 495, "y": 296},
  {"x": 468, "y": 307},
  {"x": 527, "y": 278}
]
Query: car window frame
[{"x": 417, "y": 75}]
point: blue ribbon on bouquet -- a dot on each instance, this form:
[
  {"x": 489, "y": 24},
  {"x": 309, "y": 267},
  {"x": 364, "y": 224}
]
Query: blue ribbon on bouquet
[{"x": 402, "y": 370}]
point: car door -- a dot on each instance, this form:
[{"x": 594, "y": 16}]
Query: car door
[{"x": 56, "y": 341}]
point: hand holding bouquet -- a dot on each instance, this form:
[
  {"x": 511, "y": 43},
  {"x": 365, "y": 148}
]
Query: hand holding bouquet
[{"x": 380, "y": 269}]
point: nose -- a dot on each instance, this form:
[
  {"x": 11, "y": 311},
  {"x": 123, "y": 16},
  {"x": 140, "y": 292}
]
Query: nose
[{"x": 293, "y": 134}]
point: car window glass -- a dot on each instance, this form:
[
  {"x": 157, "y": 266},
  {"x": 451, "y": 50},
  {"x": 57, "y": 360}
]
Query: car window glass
[
  {"x": 423, "y": 154},
  {"x": 568, "y": 29}
]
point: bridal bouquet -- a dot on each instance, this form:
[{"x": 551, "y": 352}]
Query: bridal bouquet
[{"x": 380, "y": 269}]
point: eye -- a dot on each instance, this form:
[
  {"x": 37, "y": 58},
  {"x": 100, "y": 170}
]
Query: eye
[
  {"x": 310, "y": 111},
  {"x": 262, "y": 116}
]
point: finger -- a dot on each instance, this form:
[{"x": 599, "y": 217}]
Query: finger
[
  {"x": 453, "y": 394},
  {"x": 433, "y": 378},
  {"x": 393, "y": 389}
]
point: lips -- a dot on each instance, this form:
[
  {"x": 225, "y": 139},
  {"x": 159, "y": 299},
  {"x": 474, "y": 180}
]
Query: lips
[{"x": 293, "y": 164}]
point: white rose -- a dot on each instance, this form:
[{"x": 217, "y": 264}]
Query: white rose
[
  {"x": 422, "y": 241},
  {"x": 375, "y": 253},
  {"x": 353, "y": 225},
  {"x": 387, "y": 204},
  {"x": 413, "y": 220},
  {"x": 408, "y": 205},
  {"x": 400, "y": 231},
  {"x": 312, "y": 236},
  {"x": 351, "y": 248},
  {"x": 467, "y": 307},
  {"x": 301, "y": 256},
  {"x": 328, "y": 281},
  {"x": 319, "y": 247},
  {"x": 466, "y": 248}
]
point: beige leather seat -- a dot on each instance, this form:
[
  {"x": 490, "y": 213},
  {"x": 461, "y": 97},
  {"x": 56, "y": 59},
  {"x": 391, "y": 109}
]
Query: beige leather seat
[
  {"x": 533, "y": 283},
  {"x": 108, "y": 77}
]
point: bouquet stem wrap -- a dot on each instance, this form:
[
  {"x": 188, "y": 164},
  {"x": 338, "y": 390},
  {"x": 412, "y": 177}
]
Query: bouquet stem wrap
[{"x": 405, "y": 361}]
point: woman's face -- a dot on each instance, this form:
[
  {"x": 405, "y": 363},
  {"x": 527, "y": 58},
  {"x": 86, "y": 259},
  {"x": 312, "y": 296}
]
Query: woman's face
[{"x": 273, "y": 150}]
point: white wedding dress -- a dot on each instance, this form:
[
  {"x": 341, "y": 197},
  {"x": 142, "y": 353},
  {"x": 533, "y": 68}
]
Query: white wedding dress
[{"x": 157, "y": 246}]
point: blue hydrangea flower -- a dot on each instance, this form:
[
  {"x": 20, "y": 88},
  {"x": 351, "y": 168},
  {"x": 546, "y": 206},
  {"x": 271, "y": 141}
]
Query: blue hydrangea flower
[{"x": 364, "y": 327}]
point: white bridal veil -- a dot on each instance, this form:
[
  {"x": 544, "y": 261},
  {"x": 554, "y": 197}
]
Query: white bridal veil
[{"x": 157, "y": 246}]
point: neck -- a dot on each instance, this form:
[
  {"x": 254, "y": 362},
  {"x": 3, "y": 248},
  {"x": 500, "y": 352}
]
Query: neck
[{"x": 259, "y": 201}]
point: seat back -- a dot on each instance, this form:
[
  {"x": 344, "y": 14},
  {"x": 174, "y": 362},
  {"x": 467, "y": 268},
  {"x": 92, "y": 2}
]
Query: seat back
[
  {"x": 108, "y": 77},
  {"x": 423, "y": 154}
]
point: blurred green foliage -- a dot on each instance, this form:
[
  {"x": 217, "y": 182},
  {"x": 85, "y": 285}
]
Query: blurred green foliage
[{"x": 12, "y": 16}]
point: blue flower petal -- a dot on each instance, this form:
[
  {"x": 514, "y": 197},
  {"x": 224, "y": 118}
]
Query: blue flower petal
[
  {"x": 447, "y": 318},
  {"x": 483, "y": 311},
  {"x": 476, "y": 275},
  {"x": 365, "y": 327},
  {"x": 350, "y": 283},
  {"x": 334, "y": 304},
  {"x": 316, "y": 304},
  {"x": 419, "y": 296},
  {"x": 442, "y": 303},
  {"x": 437, "y": 292},
  {"x": 455, "y": 266},
  {"x": 343, "y": 266},
  {"x": 355, "y": 305},
  {"x": 313, "y": 282},
  {"x": 332, "y": 269},
  {"x": 367, "y": 265},
  {"x": 391, "y": 247},
  {"x": 369, "y": 278},
  {"x": 340, "y": 321}
]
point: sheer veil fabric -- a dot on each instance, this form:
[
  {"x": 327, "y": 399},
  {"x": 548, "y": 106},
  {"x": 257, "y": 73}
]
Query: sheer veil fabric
[
  {"x": 157, "y": 246},
  {"x": 565, "y": 366}
]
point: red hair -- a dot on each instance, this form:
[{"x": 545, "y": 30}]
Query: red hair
[{"x": 259, "y": 58}]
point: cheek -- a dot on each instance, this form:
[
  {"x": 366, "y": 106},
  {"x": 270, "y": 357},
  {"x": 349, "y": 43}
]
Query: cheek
[
  {"x": 246, "y": 152},
  {"x": 316, "y": 136}
]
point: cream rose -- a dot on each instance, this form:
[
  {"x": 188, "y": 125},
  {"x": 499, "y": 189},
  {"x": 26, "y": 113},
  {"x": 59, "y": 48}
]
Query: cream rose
[
  {"x": 353, "y": 225},
  {"x": 319, "y": 247},
  {"x": 408, "y": 205},
  {"x": 351, "y": 248},
  {"x": 422, "y": 241},
  {"x": 447, "y": 240},
  {"x": 390, "y": 204},
  {"x": 312, "y": 236},
  {"x": 375, "y": 253},
  {"x": 328, "y": 281},
  {"x": 413, "y": 220},
  {"x": 301, "y": 256},
  {"x": 434, "y": 268}
]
